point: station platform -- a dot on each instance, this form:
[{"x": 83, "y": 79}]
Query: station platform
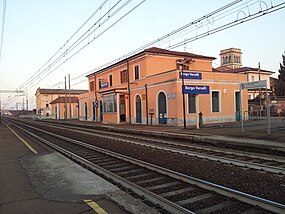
[
  {"x": 35, "y": 179},
  {"x": 215, "y": 134},
  {"x": 227, "y": 133}
]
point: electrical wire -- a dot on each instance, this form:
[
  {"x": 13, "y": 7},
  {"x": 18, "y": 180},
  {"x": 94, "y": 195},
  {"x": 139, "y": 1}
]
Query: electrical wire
[
  {"x": 231, "y": 24},
  {"x": 68, "y": 40},
  {"x": 36, "y": 78},
  {"x": 84, "y": 46},
  {"x": 48, "y": 70},
  {"x": 220, "y": 14}
]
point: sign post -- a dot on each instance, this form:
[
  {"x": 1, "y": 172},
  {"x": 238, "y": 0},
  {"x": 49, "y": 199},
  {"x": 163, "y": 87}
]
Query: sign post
[
  {"x": 257, "y": 85},
  {"x": 241, "y": 110},
  {"x": 196, "y": 89}
]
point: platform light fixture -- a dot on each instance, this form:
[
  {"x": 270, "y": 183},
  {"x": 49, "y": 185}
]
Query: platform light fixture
[{"x": 182, "y": 63}]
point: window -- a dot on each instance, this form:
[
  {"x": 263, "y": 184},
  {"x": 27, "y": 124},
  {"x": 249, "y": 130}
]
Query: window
[
  {"x": 215, "y": 101},
  {"x": 110, "y": 103},
  {"x": 100, "y": 83},
  {"x": 238, "y": 59},
  {"x": 111, "y": 80},
  {"x": 124, "y": 76},
  {"x": 91, "y": 86},
  {"x": 137, "y": 72},
  {"x": 46, "y": 105},
  {"x": 191, "y": 103}
]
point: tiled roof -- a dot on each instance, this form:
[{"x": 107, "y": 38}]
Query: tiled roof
[
  {"x": 60, "y": 91},
  {"x": 176, "y": 53},
  {"x": 62, "y": 100},
  {"x": 240, "y": 70},
  {"x": 157, "y": 51}
]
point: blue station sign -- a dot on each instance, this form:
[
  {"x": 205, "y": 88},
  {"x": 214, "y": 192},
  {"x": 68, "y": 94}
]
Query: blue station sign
[
  {"x": 191, "y": 75},
  {"x": 195, "y": 89},
  {"x": 104, "y": 85}
]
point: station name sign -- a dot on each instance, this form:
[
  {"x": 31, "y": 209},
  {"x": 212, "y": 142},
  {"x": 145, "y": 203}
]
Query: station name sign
[
  {"x": 104, "y": 85},
  {"x": 191, "y": 75},
  {"x": 195, "y": 89},
  {"x": 253, "y": 85}
]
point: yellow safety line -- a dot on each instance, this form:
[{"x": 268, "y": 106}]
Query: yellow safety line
[
  {"x": 21, "y": 139},
  {"x": 95, "y": 207}
]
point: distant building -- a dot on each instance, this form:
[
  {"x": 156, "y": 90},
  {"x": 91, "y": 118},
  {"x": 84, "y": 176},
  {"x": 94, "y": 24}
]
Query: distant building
[
  {"x": 231, "y": 58},
  {"x": 58, "y": 106},
  {"x": 45, "y": 96},
  {"x": 231, "y": 62},
  {"x": 147, "y": 88}
]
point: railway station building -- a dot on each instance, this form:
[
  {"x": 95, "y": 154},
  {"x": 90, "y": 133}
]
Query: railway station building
[
  {"x": 44, "y": 97},
  {"x": 163, "y": 87}
]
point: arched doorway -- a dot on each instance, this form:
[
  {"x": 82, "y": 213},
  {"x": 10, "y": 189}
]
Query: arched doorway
[
  {"x": 85, "y": 110},
  {"x": 162, "y": 108},
  {"x": 138, "y": 109},
  {"x": 101, "y": 111},
  {"x": 93, "y": 111}
]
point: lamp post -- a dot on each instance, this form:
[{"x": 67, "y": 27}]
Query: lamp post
[{"x": 182, "y": 63}]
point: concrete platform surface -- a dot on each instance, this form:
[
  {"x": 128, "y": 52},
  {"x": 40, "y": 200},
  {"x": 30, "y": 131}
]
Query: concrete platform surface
[{"x": 51, "y": 183}]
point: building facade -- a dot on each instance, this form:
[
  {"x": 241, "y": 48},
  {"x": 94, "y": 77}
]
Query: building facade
[
  {"x": 231, "y": 58},
  {"x": 45, "y": 96},
  {"x": 152, "y": 86},
  {"x": 59, "y": 105}
]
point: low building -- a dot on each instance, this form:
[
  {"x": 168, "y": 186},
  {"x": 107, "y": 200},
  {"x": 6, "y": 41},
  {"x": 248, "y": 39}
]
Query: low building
[
  {"x": 45, "y": 96},
  {"x": 162, "y": 87},
  {"x": 59, "y": 105}
]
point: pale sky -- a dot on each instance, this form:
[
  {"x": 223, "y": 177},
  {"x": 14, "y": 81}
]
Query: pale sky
[{"x": 35, "y": 29}]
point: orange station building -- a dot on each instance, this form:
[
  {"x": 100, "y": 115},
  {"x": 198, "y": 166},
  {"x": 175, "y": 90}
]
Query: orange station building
[
  {"x": 47, "y": 108},
  {"x": 148, "y": 88}
]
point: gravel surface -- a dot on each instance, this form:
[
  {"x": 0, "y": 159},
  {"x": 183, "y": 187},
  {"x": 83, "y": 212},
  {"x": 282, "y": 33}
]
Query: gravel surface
[{"x": 258, "y": 183}]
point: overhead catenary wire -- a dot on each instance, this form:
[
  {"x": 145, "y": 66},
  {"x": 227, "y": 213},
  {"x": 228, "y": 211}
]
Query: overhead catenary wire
[
  {"x": 48, "y": 70},
  {"x": 235, "y": 22},
  {"x": 206, "y": 33},
  {"x": 84, "y": 46},
  {"x": 165, "y": 37},
  {"x": 68, "y": 40},
  {"x": 57, "y": 63}
]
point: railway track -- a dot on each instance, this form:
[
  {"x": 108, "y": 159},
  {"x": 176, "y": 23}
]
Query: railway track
[
  {"x": 172, "y": 191},
  {"x": 268, "y": 163}
]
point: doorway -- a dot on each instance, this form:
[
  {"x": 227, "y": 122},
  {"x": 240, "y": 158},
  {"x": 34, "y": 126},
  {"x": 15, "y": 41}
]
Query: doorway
[
  {"x": 138, "y": 109},
  {"x": 237, "y": 107},
  {"x": 93, "y": 111},
  {"x": 162, "y": 108},
  {"x": 101, "y": 111},
  {"x": 122, "y": 108},
  {"x": 85, "y": 111}
]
